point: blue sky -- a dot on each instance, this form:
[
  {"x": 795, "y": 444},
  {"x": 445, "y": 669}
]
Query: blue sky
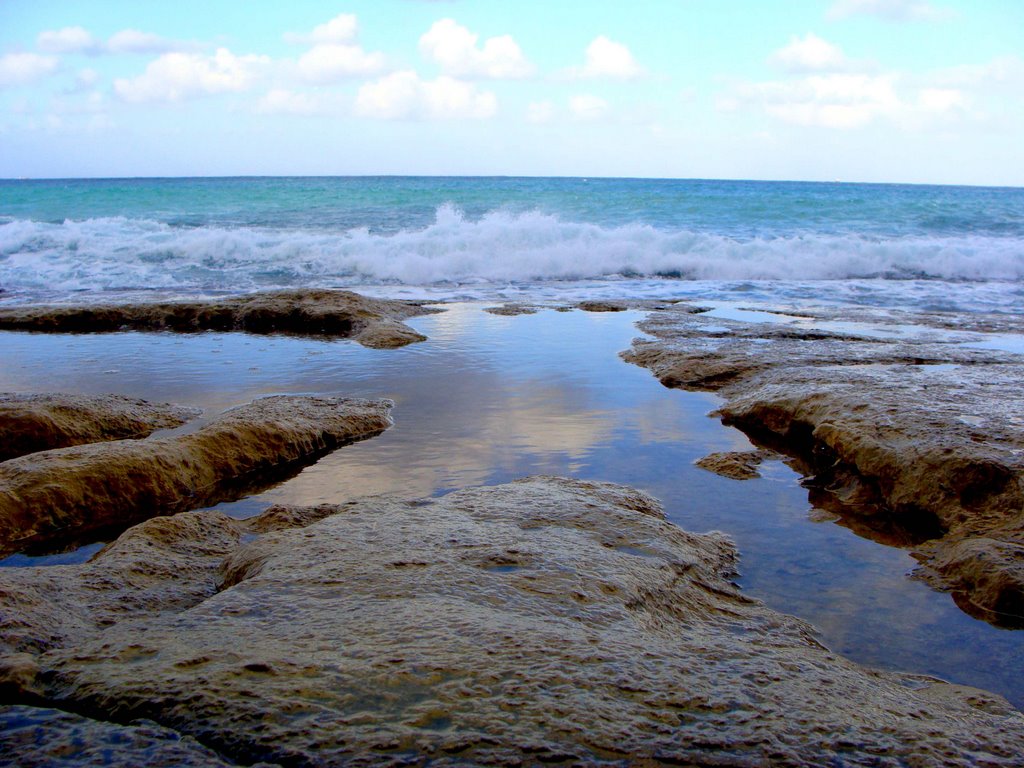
[{"x": 923, "y": 91}]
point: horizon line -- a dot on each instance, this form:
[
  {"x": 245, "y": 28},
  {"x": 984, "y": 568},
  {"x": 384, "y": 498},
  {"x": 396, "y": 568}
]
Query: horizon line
[{"x": 601, "y": 177}]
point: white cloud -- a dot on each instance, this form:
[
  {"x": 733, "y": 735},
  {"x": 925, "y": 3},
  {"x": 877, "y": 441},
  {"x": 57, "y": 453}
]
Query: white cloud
[
  {"x": 283, "y": 102},
  {"x": 540, "y": 112},
  {"x": 606, "y": 58},
  {"x": 330, "y": 63},
  {"x": 403, "y": 95},
  {"x": 340, "y": 30},
  {"x": 587, "y": 107},
  {"x": 80, "y": 40},
  {"x": 890, "y": 10},
  {"x": 134, "y": 41},
  {"x": 455, "y": 49},
  {"x": 180, "y": 76},
  {"x": 24, "y": 68},
  {"x": 846, "y": 101},
  {"x": 809, "y": 54},
  {"x": 940, "y": 100},
  {"x": 68, "y": 40},
  {"x": 1002, "y": 71}
]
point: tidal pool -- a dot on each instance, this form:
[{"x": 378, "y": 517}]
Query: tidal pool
[{"x": 490, "y": 398}]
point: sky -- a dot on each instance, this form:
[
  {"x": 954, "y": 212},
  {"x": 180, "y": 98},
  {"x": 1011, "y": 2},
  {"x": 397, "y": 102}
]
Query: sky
[{"x": 909, "y": 91}]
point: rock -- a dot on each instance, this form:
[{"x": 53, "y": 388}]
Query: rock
[
  {"x": 48, "y": 738},
  {"x": 548, "y": 620},
  {"x": 30, "y": 423},
  {"x": 603, "y": 306},
  {"x": 56, "y": 495},
  {"x": 512, "y": 308},
  {"x": 372, "y": 322},
  {"x": 901, "y": 432},
  {"x": 736, "y": 465}
]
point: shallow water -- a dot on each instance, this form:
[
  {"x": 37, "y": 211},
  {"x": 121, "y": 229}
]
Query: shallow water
[{"x": 488, "y": 399}]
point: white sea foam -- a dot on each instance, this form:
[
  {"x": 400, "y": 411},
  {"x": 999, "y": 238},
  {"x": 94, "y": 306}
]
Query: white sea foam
[{"x": 501, "y": 248}]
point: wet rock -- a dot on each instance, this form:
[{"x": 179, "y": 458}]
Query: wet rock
[
  {"x": 30, "y": 423},
  {"x": 54, "y": 495},
  {"x": 736, "y": 465},
  {"x": 511, "y": 309},
  {"x": 544, "y": 620},
  {"x": 603, "y": 306},
  {"x": 373, "y": 322},
  {"x": 900, "y": 429},
  {"x": 48, "y": 738}
]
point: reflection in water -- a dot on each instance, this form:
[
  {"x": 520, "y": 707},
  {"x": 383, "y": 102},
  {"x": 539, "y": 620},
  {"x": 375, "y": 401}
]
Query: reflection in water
[{"x": 488, "y": 399}]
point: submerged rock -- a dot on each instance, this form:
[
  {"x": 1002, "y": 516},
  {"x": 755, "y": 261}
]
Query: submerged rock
[
  {"x": 510, "y": 309},
  {"x": 601, "y": 305},
  {"x": 895, "y": 429},
  {"x": 374, "y": 323},
  {"x": 736, "y": 465},
  {"x": 547, "y": 620},
  {"x": 30, "y": 423},
  {"x": 64, "y": 493}
]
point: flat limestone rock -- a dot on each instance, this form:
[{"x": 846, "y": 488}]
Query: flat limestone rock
[
  {"x": 547, "y": 620},
  {"x": 48, "y": 738},
  {"x": 67, "y": 492},
  {"x": 374, "y": 323},
  {"x": 903, "y": 429},
  {"x": 39, "y": 422}
]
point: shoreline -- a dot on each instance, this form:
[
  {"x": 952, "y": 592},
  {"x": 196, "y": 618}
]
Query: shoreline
[{"x": 381, "y": 356}]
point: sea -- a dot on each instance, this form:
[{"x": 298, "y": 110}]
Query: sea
[
  {"x": 939, "y": 248},
  {"x": 488, "y": 398}
]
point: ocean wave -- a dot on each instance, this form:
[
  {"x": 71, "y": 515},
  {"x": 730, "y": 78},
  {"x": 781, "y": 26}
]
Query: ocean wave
[{"x": 499, "y": 247}]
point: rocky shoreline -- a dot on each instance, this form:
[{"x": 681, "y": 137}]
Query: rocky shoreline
[
  {"x": 63, "y": 494},
  {"x": 375, "y": 323},
  {"x": 911, "y": 440},
  {"x": 549, "y": 620},
  {"x": 544, "y": 620}
]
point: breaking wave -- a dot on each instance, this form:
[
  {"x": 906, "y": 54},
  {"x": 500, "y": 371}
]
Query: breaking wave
[{"x": 500, "y": 248}]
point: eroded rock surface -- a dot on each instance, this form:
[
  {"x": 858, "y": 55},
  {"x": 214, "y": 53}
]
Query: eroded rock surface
[
  {"x": 67, "y": 492},
  {"x": 374, "y": 323},
  {"x": 32, "y": 737},
  {"x": 547, "y": 620},
  {"x": 39, "y": 422},
  {"x": 898, "y": 428}
]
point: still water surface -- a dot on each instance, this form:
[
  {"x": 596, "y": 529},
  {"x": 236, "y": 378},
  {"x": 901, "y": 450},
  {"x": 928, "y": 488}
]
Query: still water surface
[{"x": 488, "y": 399}]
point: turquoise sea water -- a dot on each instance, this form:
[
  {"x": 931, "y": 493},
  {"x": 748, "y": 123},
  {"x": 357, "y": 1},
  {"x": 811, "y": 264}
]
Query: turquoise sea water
[{"x": 472, "y": 238}]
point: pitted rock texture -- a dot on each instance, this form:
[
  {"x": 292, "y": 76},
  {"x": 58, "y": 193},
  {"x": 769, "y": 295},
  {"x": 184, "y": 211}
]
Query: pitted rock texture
[
  {"x": 374, "y": 323},
  {"x": 903, "y": 429},
  {"x": 548, "y": 620},
  {"x": 39, "y": 422},
  {"x": 64, "y": 493},
  {"x": 32, "y": 737}
]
